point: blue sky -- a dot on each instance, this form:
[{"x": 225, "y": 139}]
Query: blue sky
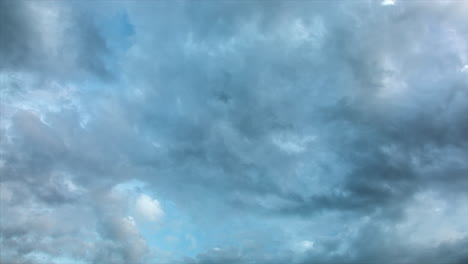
[{"x": 206, "y": 132}]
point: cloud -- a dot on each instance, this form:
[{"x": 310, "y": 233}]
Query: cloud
[
  {"x": 51, "y": 38},
  {"x": 148, "y": 208},
  {"x": 122, "y": 242},
  {"x": 270, "y": 132},
  {"x": 388, "y": 2}
]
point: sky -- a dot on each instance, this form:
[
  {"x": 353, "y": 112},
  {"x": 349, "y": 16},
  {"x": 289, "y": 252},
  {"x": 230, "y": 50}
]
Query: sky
[{"x": 233, "y": 132}]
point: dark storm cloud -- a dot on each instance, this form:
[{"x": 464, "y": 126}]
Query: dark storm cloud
[
  {"x": 262, "y": 83},
  {"x": 13, "y": 29},
  {"x": 51, "y": 38},
  {"x": 379, "y": 135},
  {"x": 288, "y": 132}
]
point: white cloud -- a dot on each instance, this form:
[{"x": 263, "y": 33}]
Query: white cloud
[
  {"x": 388, "y": 2},
  {"x": 148, "y": 208},
  {"x": 303, "y": 246},
  {"x": 464, "y": 68}
]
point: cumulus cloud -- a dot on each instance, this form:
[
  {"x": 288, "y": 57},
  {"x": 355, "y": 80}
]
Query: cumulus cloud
[
  {"x": 268, "y": 131},
  {"x": 148, "y": 208}
]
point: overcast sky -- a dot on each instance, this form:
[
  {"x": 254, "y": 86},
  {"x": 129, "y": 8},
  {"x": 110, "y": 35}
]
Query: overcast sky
[{"x": 233, "y": 132}]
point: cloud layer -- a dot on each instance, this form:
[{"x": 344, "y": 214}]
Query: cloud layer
[{"x": 233, "y": 132}]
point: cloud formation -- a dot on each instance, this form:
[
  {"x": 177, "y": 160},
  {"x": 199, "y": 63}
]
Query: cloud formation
[{"x": 233, "y": 132}]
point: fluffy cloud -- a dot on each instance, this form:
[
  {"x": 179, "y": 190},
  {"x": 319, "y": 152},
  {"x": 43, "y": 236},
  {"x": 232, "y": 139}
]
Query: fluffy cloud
[
  {"x": 270, "y": 132},
  {"x": 148, "y": 208}
]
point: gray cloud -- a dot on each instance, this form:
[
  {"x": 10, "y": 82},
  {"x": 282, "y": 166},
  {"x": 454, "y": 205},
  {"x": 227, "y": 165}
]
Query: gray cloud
[
  {"x": 51, "y": 38},
  {"x": 320, "y": 132}
]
